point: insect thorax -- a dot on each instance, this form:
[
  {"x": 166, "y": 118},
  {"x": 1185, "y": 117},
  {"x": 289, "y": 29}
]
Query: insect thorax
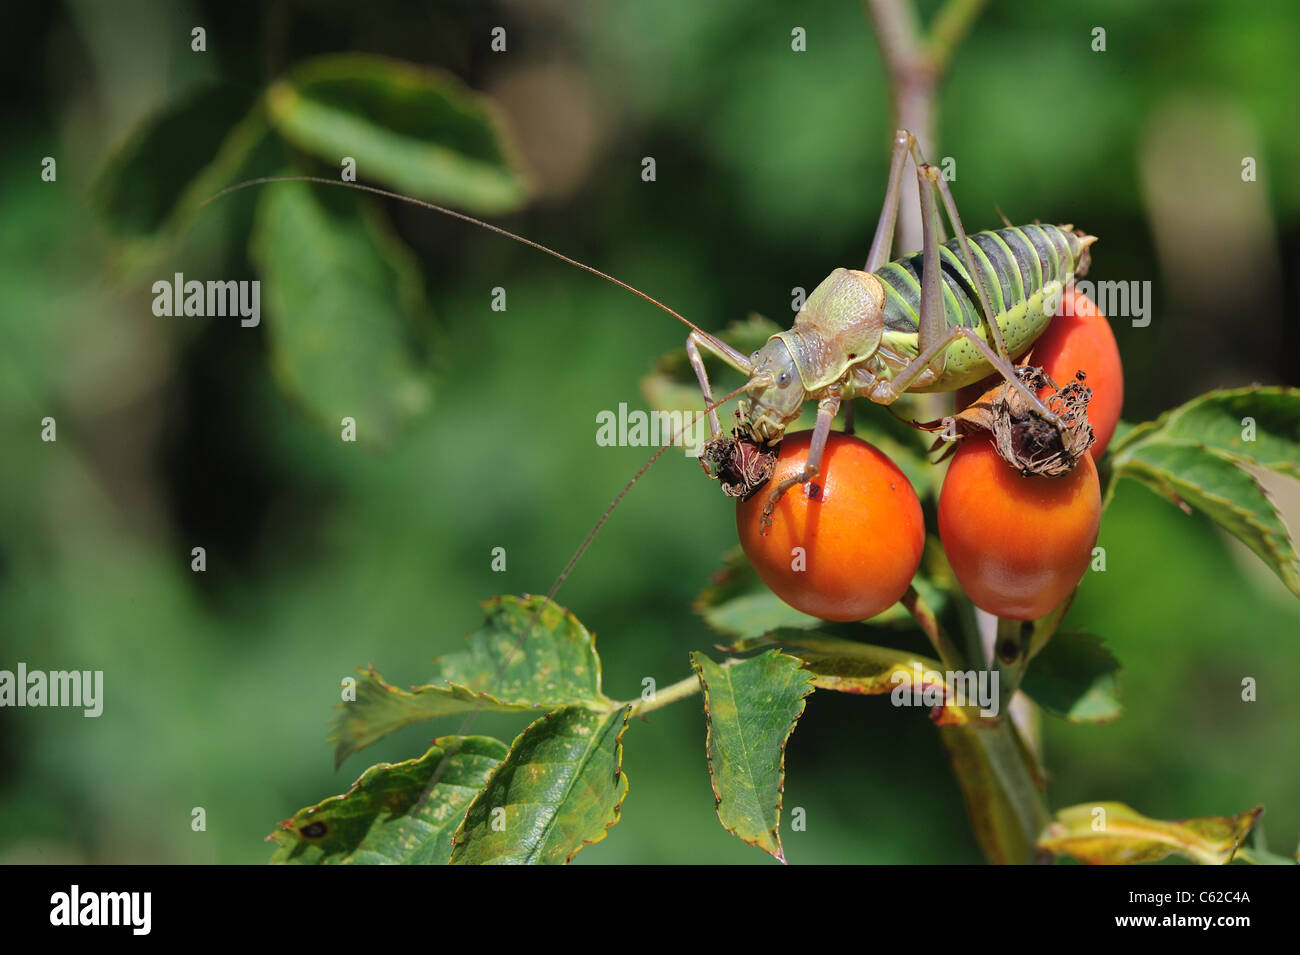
[{"x": 839, "y": 326}]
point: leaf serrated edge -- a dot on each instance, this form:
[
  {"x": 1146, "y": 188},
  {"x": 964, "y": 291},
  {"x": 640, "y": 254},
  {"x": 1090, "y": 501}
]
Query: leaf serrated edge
[
  {"x": 448, "y": 689},
  {"x": 1286, "y": 565},
  {"x": 457, "y": 835},
  {"x": 439, "y": 743},
  {"x": 775, "y": 831},
  {"x": 1144, "y": 430},
  {"x": 1174, "y": 414},
  {"x": 492, "y": 608},
  {"x": 617, "y": 811},
  {"x": 544, "y": 607}
]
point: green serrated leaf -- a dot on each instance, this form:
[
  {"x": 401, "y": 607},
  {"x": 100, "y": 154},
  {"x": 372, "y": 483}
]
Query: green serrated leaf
[
  {"x": 848, "y": 666},
  {"x": 1260, "y": 424},
  {"x": 391, "y": 815},
  {"x": 1075, "y": 678},
  {"x": 345, "y": 305},
  {"x": 1110, "y": 833},
  {"x": 1212, "y": 481},
  {"x": 738, "y": 604},
  {"x": 380, "y": 709},
  {"x": 521, "y": 654},
  {"x": 417, "y": 130},
  {"x": 752, "y": 707},
  {"x": 140, "y": 189},
  {"x": 561, "y": 788},
  {"x": 511, "y": 664}
]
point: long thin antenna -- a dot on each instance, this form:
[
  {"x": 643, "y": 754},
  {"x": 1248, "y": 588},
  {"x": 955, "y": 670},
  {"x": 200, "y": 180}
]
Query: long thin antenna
[
  {"x": 559, "y": 581},
  {"x": 463, "y": 218},
  {"x": 582, "y": 548},
  {"x": 473, "y": 714}
]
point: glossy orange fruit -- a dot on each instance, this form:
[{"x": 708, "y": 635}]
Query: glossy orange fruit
[
  {"x": 1018, "y": 545},
  {"x": 844, "y": 546}
]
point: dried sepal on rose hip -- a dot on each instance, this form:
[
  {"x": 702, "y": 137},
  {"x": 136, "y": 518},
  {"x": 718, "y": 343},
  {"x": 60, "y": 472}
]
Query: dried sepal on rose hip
[
  {"x": 1022, "y": 436},
  {"x": 1027, "y": 441},
  {"x": 739, "y": 463},
  {"x": 1079, "y": 338}
]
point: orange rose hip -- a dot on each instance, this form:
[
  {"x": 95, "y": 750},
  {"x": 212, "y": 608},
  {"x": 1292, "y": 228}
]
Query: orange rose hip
[
  {"x": 1018, "y": 545},
  {"x": 844, "y": 546}
]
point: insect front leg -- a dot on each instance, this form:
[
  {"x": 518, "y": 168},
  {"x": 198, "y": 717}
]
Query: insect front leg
[
  {"x": 826, "y": 409},
  {"x": 724, "y": 351}
]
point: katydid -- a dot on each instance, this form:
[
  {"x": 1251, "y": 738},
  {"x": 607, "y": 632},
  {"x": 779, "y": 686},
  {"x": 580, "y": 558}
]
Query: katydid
[
  {"x": 923, "y": 323},
  {"x": 934, "y": 320}
]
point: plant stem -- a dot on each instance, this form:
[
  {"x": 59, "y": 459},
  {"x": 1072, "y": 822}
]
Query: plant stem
[
  {"x": 680, "y": 690},
  {"x": 916, "y": 66},
  {"x": 1010, "y": 766},
  {"x": 929, "y": 623},
  {"x": 948, "y": 28},
  {"x": 1010, "y": 655},
  {"x": 912, "y": 86}
]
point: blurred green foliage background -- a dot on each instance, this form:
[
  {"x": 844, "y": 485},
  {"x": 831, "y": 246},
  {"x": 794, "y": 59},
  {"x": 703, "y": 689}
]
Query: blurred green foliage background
[{"x": 770, "y": 170}]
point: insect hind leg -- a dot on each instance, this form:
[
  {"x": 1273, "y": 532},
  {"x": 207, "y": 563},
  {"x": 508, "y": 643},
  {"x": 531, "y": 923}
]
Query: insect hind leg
[
  {"x": 933, "y": 334},
  {"x": 883, "y": 242}
]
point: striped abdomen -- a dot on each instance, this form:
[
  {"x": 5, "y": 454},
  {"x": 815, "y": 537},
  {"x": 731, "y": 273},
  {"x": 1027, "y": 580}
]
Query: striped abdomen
[{"x": 1020, "y": 266}]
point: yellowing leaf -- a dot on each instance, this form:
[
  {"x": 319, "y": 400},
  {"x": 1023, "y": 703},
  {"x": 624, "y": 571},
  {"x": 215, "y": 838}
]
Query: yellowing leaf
[{"x": 1110, "y": 833}]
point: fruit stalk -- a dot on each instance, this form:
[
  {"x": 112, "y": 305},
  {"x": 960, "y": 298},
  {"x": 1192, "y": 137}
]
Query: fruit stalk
[{"x": 992, "y": 764}]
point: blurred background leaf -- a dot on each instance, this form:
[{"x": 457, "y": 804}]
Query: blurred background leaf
[
  {"x": 344, "y": 303},
  {"x": 141, "y": 186},
  {"x": 417, "y": 130}
]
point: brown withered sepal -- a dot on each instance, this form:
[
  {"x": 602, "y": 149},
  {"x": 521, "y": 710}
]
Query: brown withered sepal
[
  {"x": 739, "y": 463},
  {"x": 1023, "y": 438}
]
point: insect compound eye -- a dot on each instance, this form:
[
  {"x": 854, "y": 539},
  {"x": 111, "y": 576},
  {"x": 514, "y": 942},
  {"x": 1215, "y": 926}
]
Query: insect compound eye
[
  {"x": 754, "y": 358},
  {"x": 783, "y": 379}
]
